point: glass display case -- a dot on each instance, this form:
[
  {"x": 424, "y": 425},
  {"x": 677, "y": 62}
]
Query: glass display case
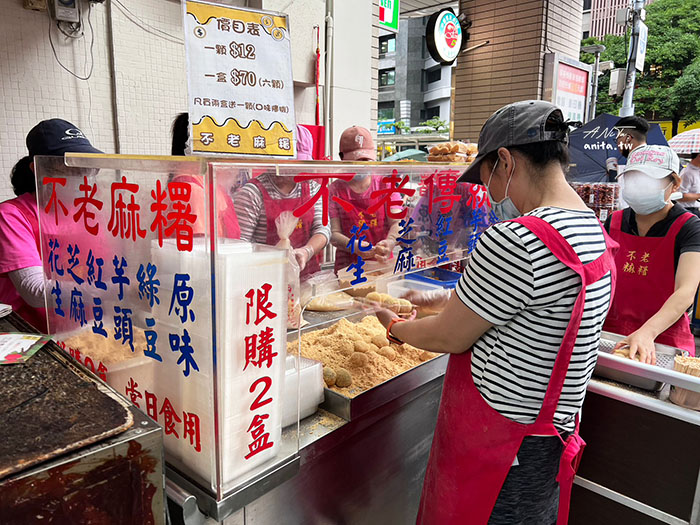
[{"x": 189, "y": 285}]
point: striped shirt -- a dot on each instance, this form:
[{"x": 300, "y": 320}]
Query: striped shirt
[
  {"x": 515, "y": 282},
  {"x": 250, "y": 209}
]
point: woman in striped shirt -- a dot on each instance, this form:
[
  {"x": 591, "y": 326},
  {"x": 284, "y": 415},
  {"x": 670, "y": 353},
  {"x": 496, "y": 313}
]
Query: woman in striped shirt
[
  {"x": 523, "y": 326},
  {"x": 262, "y": 199}
]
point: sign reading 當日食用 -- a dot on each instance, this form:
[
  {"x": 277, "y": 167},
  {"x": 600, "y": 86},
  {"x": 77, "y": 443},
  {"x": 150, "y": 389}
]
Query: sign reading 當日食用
[{"x": 239, "y": 76}]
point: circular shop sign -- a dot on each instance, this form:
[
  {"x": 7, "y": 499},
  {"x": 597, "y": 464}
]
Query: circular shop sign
[{"x": 444, "y": 36}]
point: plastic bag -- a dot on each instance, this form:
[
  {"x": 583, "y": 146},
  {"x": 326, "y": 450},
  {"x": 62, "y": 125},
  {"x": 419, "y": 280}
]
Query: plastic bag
[{"x": 286, "y": 223}]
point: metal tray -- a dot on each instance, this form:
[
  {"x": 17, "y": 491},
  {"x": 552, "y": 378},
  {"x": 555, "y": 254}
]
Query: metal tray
[
  {"x": 350, "y": 408},
  {"x": 665, "y": 356}
]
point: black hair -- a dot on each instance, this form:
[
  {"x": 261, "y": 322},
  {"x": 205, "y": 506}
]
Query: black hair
[
  {"x": 22, "y": 176},
  {"x": 693, "y": 156},
  {"x": 181, "y": 132},
  {"x": 635, "y": 126},
  {"x": 541, "y": 154}
]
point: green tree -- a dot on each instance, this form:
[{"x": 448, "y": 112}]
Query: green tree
[
  {"x": 669, "y": 86},
  {"x": 399, "y": 127},
  {"x": 436, "y": 124}
]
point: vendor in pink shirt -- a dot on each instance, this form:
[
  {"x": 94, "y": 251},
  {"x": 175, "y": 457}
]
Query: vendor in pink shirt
[
  {"x": 356, "y": 144},
  {"x": 21, "y": 269}
]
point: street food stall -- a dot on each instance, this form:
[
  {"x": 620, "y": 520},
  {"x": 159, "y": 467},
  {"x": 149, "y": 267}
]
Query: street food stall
[
  {"x": 146, "y": 290},
  {"x": 326, "y": 421}
]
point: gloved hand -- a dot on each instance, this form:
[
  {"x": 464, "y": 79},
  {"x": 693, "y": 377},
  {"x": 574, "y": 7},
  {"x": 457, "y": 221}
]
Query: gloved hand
[
  {"x": 433, "y": 299},
  {"x": 302, "y": 255},
  {"x": 383, "y": 250}
]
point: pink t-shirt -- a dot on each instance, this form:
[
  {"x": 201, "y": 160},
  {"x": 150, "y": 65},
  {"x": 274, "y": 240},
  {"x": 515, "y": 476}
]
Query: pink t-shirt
[{"x": 19, "y": 248}]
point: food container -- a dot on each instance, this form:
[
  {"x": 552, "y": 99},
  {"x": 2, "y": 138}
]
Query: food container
[
  {"x": 400, "y": 287},
  {"x": 681, "y": 396},
  {"x": 310, "y": 385},
  {"x": 436, "y": 276},
  {"x": 664, "y": 359}
]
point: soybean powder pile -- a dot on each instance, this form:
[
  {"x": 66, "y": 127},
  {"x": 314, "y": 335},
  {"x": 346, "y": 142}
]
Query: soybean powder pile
[{"x": 344, "y": 345}]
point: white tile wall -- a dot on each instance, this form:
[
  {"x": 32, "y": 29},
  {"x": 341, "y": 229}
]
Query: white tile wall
[
  {"x": 33, "y": 87},
  {"x": 150, "y": 78},
  {"x": 151, "y": 75}
]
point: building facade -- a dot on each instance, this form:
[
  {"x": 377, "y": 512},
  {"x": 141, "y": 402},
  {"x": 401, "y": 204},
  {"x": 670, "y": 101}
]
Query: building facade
[
  {"x": 599, "y": 17},
  {"x": 413, "y": 87}
]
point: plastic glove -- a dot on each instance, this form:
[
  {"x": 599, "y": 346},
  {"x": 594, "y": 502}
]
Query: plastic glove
[
  {"x": 385, "y": 316},
  {"x": 383, "y": 249},
  {"x": 302, "y": 255},
  {"x": 433, "y": 299}
]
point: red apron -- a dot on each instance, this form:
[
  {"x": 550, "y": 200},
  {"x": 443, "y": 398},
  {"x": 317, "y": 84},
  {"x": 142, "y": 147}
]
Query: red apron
[
  {"x": 227, "y": 220},
  {"x": 647, "y": 278},
  {"x": 302, "y": 233},
  {"x": 377, "y": 222},
  {"x": 475, "y": 446}
]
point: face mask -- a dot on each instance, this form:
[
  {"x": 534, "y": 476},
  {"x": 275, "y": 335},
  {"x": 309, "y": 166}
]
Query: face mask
[
  {"x": 644, "y": 194},
  {"x": 504, "y": 209}
]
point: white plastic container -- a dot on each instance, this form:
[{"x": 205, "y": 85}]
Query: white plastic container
[
  {"x": 400, "y": 287},
  {"x": 310, "y": 391}
]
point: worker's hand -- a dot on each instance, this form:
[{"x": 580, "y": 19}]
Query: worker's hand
[
  {"x": 434, "y": 299},
  {"x": 302, "y": 255},
  {"x": 642, "y": 343},
  {"x": 384, "y": 249},
  {"x": 385, "y": 316}
]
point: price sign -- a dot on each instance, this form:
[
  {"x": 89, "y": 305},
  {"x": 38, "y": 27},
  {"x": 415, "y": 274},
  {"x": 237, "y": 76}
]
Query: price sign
[{"x": 240, "y": 87}]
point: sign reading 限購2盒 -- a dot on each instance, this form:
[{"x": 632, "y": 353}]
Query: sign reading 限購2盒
[
  {"x": 239, "y": 77},
  {"x": 389, "y": 15}
]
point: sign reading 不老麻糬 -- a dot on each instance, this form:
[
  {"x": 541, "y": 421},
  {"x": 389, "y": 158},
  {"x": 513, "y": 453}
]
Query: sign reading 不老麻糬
[
  {"x": 389, "y": 15},
  {"x": 240, "y": 87},
  {"x": 443, "y": 36}
]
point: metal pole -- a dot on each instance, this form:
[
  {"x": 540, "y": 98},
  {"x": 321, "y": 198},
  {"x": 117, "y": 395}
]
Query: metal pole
[
  {"x": 594, "y": 90},
  {"x": 627, "y": 108}
]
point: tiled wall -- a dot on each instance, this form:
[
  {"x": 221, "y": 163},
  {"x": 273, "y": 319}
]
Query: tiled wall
[
  {"x": 150, "y": 76},
  {"x": 33, "y": 86}
]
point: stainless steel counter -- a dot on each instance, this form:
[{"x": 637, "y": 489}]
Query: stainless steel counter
[{"x": 370, "y": 470}]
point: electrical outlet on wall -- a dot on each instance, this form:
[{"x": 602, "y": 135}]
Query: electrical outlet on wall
[{"x": 66, "y": 10}]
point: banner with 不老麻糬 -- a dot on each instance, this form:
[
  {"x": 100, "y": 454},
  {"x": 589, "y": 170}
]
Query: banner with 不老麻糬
[{"x": 240, "y": 87}]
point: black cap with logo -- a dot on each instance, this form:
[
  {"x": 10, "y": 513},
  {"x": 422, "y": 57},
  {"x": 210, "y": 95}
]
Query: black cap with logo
[
  {"x": 56, "y": 137},
  {"x": 516, "y": 124}
]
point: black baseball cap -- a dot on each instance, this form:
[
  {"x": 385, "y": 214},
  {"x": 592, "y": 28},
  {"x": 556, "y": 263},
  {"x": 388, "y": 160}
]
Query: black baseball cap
[
  {"x": 56, "y": 137},
  {"x": 634, "y": 122},
  {"x": 516, "y": 124}
]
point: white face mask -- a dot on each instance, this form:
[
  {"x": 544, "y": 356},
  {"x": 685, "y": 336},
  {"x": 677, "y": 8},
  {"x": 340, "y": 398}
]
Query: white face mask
[
  {"x": 644, "y": 194},
  {"x": 504, "y": 209}
]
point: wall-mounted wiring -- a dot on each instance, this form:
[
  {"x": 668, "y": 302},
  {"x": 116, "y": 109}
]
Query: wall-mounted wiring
[
  {"x": 134, "y": 19},
  {"x": 73, "y": 30}
]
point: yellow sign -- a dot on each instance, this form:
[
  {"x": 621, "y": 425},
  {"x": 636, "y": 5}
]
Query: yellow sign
[
  {"x": 240, "y": 86},
  {"x": 667, "y": 127}
]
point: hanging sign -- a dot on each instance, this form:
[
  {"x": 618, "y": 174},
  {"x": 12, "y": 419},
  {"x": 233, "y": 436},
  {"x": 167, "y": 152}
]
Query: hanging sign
[
  {"x": 389, "y": 15},
  {"x": 444, "y": 36},
  {"x": 239, "y": 77},
  {"x": 641, "y": 46}
]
